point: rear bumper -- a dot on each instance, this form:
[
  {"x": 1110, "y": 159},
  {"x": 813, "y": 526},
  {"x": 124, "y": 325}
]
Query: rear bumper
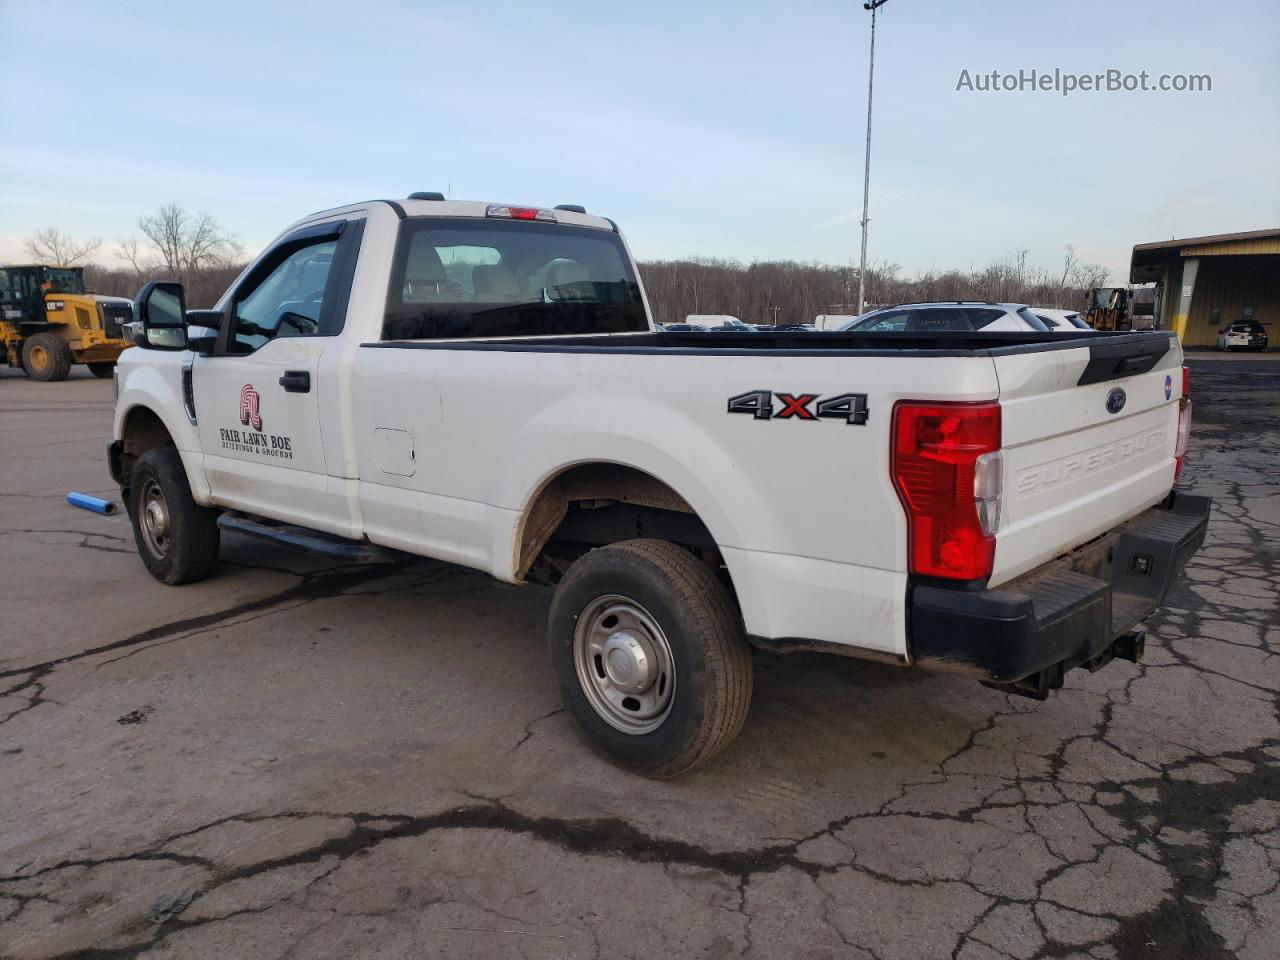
[{"x": 1078, "y": 610}]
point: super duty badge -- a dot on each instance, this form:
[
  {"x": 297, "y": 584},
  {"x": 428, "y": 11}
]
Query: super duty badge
[{"x": 849, "y": 407}]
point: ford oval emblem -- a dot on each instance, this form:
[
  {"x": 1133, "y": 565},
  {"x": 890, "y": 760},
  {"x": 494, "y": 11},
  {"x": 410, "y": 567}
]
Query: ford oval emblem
[{"x": 1115, "y": 400}]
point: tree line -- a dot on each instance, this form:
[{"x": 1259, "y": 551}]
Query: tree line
[
  {"x": 170, "y": 244},
  {"x": 195, "y": 248},
  {"x": 791, "y": 292}
]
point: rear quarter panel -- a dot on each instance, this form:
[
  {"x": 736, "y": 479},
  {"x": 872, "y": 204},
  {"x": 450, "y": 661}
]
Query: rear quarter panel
[{"x": 804, "y": 510}]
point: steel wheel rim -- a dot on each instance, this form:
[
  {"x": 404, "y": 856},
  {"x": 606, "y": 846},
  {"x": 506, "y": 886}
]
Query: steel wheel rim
[
  {"x": 154, "y": 520},
  {"x": 39, "y": 358},
  {"x": 624, "y": 664}
]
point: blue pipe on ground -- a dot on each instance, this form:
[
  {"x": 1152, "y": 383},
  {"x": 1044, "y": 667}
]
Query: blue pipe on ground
[{"x": 86, "y": 502}]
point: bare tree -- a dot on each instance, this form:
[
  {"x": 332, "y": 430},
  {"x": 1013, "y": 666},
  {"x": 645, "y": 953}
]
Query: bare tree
[
  {"x": 1086, "y": 276},
  {"x": 127, "y": 250},
  {"x": 56, "y": 248},
  {"x": 1069, "y": 263},
  {"x": 188, "y": 243}
]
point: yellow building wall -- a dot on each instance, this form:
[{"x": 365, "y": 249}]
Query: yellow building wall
[
  {"x": 1230, "y": 284},
  {"x": 1234, "y": 248}
]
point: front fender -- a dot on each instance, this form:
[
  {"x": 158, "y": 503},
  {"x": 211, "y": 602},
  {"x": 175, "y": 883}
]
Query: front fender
[{"x": 155, "y": 384}]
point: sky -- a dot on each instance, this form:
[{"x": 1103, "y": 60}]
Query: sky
[{"x": 715, "y": 129}]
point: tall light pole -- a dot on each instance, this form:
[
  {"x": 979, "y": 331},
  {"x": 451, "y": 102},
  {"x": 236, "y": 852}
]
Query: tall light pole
[{"x": 872, "y": 5}]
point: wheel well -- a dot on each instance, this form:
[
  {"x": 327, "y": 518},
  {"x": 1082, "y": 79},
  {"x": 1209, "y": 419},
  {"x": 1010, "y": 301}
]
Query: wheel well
[
  {"x": 143, "y": 430},
  {"x": 592, "y": 504}
]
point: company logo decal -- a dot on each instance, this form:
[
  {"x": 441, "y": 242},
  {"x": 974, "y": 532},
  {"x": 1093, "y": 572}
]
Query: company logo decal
[
  {"x": 249, "y": 414},
  {"x": 849, "y": 407},
  {"x": 1116, "y": 400},
  {"x": 1168, "y": 385},
  {"x": 259, "y": 443}
]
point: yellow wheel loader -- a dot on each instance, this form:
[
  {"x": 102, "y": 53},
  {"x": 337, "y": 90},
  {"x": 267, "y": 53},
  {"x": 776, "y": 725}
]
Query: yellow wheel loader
[{"x": 48, "y": 322}]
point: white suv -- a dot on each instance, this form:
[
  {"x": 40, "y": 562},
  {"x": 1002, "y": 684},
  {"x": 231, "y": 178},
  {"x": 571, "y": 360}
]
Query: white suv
[{"x": 949, "y": 315}]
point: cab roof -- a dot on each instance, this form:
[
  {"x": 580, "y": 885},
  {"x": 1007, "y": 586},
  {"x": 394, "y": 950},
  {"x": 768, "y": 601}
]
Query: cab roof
[{"x": 477, "y": 209}]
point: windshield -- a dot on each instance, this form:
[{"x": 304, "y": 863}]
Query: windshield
[
  {"x": 65, "y": 280},
  {"x": 501, "y": 278}
]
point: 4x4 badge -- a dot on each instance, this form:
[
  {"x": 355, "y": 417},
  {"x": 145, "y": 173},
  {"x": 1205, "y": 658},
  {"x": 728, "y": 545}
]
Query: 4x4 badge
[{"x": 849, "y": 407}]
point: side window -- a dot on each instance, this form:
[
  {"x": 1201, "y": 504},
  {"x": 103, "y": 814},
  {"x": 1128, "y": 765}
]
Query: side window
[
  {"x": 932, "y": 321},
  {"x": 892, "y": 322},
  {"x": 286, "y": 302}
]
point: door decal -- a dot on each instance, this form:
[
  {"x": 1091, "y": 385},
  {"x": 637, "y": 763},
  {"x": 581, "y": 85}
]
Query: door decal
[{"x": 249, "y": 414}]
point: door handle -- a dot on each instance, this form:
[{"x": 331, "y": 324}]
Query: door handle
[{"x": 296, "y": 381}]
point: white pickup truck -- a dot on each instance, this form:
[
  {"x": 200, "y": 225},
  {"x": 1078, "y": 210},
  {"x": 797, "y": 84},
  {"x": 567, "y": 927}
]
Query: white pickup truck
[{"x": 482, "y": 384}]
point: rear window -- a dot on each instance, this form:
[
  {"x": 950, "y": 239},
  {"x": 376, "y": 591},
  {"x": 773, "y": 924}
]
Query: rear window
[
  {"x": 981, "y": 318},
  {"x": 456, "y": 278},
  {"x": 1032, "y": 320}
]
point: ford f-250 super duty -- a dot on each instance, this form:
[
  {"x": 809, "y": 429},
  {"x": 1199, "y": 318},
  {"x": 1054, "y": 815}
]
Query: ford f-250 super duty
[{"x": 482, "y": 384}]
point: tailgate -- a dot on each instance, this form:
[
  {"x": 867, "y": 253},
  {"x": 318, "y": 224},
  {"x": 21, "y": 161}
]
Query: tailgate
[{"x": 1089, "y": 434}]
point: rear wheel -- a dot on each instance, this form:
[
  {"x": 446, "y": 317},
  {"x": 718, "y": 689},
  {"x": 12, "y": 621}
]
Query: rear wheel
[
  {"x": 177, "y": 538},
  {"x": 46, "y": 356},
  {"x": 648, "y": 651},
  {"x": 103, "y": 369}
]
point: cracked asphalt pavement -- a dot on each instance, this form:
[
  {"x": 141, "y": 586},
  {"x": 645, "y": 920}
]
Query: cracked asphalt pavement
[{"x": 371, "y": 761}]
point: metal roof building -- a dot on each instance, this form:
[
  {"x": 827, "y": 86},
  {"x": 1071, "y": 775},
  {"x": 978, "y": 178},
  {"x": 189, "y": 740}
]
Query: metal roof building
[{"x": 1209, "y": 283}]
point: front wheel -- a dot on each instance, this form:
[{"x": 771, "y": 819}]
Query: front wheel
[
  {"x": 47, "y": 357},
  {"x": 177, "y": 538},
  {"x": 648, "y": 650}
]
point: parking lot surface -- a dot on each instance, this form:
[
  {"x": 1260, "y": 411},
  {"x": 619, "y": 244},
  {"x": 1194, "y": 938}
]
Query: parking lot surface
[{"x": 308, "y": 760}]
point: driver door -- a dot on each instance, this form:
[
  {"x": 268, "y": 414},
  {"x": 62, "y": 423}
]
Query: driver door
[{"x": 256, "y": 397}]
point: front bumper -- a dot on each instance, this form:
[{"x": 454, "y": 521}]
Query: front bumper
[{"x": 1078, "y": 610}]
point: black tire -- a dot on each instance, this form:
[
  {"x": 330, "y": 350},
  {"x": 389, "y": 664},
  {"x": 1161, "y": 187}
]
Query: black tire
[
  {"x": 188, "y": 549},
  {"x": 46, "y": 357},
  {"x": 709, "y": 657},
  {"x": 103, "y": 369}
]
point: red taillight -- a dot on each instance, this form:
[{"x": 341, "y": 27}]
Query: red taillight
[
  {"x": 523, "y": 213},
  {"x": 1184, "y": 423},
  {"x": 936, "y": 447}
]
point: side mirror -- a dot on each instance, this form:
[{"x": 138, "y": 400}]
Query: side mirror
[
  {"x": 159, "y": 317},
  {"x": 202, "y": 330}
]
